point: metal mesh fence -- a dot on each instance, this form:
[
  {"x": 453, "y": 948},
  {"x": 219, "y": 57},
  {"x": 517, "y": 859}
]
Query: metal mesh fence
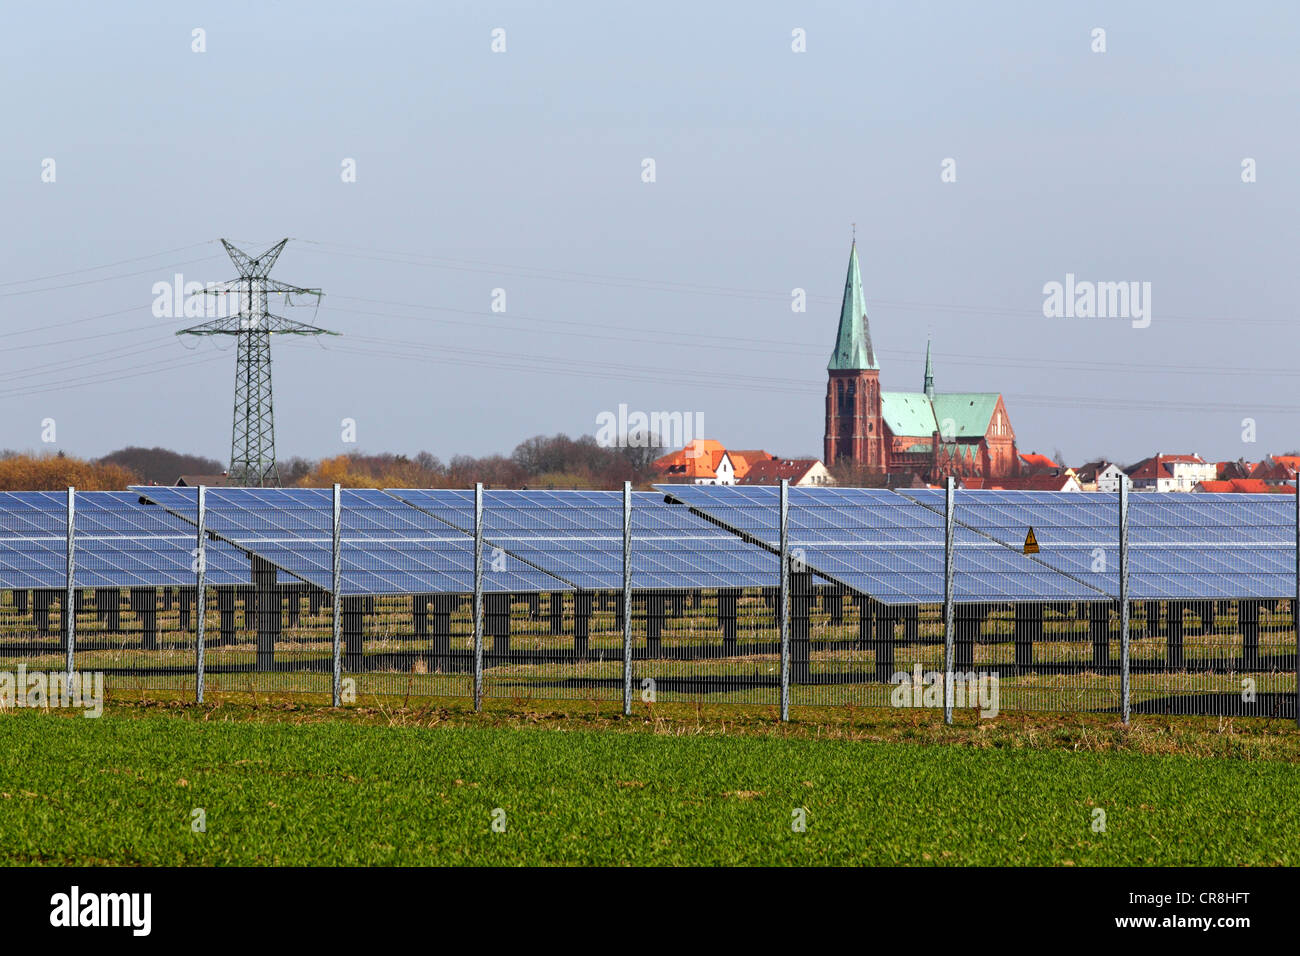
[{"x": 980, "y": 601}]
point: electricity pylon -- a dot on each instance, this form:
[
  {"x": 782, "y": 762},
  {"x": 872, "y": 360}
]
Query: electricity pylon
[{"x": 252, "y": 444}]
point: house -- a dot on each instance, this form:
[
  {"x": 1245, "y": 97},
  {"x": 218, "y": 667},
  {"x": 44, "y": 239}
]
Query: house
[
  {"x": 1036, "y": 464},
  {"x": 210, "y": 481},
  {"x": 1100, "y": 475},
  {"x": 800, "y": 472},
  {"x": 743, "y": 459},
  {"x": 1249, "y": 486},
  {"x": 1227, "y": 470},
  {"x": 1025, "y": 483},
  {"x": 1277, "y": 469},
  {"x": 1162, "y": 473},
  {"x": 706, "y": 462},
  {"x": 926, "y": 433}
]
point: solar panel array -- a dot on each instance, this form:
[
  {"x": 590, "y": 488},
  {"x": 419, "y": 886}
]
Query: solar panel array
[
  {"x": 577, "y": 536},
  {"x": 119, "y": 543},
  {"x": 1198, "y": 547},
  {"x": 882, "y": 543},
  {"x": 387, "y": 548}
]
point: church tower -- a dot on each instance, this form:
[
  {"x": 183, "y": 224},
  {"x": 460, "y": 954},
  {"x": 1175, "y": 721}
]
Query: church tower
[
  {"x": 853, "y": 423},
  {"x": 928, "y": 387}
]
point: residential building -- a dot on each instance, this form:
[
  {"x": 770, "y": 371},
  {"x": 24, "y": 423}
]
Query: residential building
[
  {"x": 1100, "y": 475},
  {"x": 1033, "y": 463},
  {"x": 209, "y": 481},
  {"x": 1249, "y": 486},
  {"x": 706, "y": 462},
  {"x": 801, "y": 472},
  {"x": 1277, "y": 469},
  {"x": 1063, "y": 482},
  {"x": 1163, "y": 472}
]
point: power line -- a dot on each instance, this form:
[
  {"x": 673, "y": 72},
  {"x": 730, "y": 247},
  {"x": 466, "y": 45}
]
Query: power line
[
  {"x": 405, "y": 350},
  {"x": 114, "y": 375},
  {"x": 123, "y": 275},
  {"x": 785, "y": 348},
  {"x": 665, "y": 285},
  {"x": 107, "y": 265}
]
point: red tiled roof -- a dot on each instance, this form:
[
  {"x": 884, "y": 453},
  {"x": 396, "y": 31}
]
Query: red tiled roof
[
  {"x": 771, "y": 471},
  {"x": 1150, "y": 468},
  {"x": 1226, "y": 470},
  {"x": 1090, "y": 471},
  {"x": 1028, "y": 483},
  {"x": 1251, "y": 486},
  {"x": 699, "y": 459},
  {"x": 744, "y": 459},
  {"x": 1275, "y": 468},
  {"x": 1038, "y": 461}
]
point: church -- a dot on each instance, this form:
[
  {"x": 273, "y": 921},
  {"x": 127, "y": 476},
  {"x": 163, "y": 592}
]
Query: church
[{"x": 928, "y": 434}]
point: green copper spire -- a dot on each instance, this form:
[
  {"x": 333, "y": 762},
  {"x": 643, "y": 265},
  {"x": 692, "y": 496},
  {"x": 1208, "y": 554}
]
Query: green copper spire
[
  {"x": 853, "y": 344},
  {"x": 929, "y": 373}
]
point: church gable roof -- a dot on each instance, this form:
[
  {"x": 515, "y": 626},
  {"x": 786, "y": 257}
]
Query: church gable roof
[
  {"x": 970, "y": 412},
  {"x": 907, "y": 413},
  {"x": 853, "y": 348}
]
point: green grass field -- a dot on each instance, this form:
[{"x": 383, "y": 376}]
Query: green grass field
[{"x": 315, "y": 788}]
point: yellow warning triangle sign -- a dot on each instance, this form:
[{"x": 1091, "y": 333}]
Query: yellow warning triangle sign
[{"x": 1031, "y": 543}]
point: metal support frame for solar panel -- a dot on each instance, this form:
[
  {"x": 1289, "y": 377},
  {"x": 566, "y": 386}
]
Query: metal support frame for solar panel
[
  {"x": 200, "y": 595},
  {"x": 70, "y": 593},
  {"x": 336, "y": 603},
  {"x": 627, "y": 599},
  {"x": 949, "y": 526},
  {"x": 1125, "y": 647}
]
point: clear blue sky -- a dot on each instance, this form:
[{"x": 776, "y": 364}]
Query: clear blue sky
[{"x": 522, "y": 171}]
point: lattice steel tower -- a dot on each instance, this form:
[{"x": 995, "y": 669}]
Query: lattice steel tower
[{"x": 252, "y": 445}]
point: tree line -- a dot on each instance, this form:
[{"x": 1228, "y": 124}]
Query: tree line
[{"x": 542, "y": 462}]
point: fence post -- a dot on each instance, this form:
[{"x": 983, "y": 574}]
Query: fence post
[
  {"x": 200, "y": 593},
  {"x": 785, "y": 599},
  {"x": 1123, "y": 597},
  {"x": 627, "y": 599},
  {"x": 70, "y": 599},
  {"x": 478, "y": 596},
  {"x": 336, "y": 585},
  {"x": 1295, "y": 603},
  {"x": 948, "y": 634}
]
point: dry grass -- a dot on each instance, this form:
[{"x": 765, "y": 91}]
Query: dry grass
[{"x": 1239, "y": 738}]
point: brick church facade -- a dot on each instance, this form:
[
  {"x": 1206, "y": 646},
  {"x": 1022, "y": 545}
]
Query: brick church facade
[{"x": 928, "y": 434}]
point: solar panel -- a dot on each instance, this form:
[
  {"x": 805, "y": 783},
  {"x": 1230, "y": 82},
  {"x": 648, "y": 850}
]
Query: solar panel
[
  {"x": 1181, "y": 546},
  {"x": 578, "y": 537},
  {"x": 119, "y": 544},
  {"x": 387, "y": 548},
  {"x": 881, "y": 544}
]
